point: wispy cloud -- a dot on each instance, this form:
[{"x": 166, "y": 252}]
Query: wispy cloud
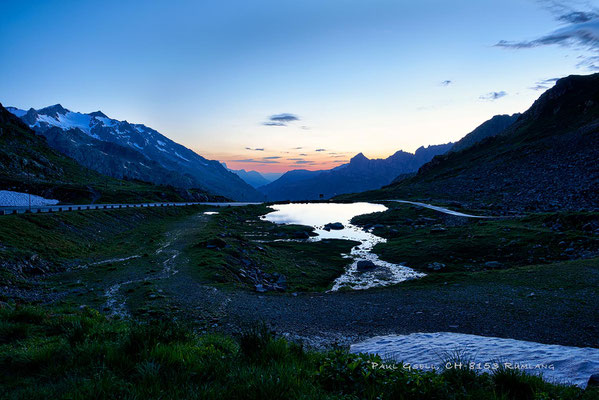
[
  {"x": 581, "y": 32},
  {"x": 265, "y": 160},
  {"x": 544, "y": 84},
  {"x": 281, "y": 119},
  {"x": 446, "y": 82},
  {"x": 303, "y": 154},
  {"x": 320, "y": 150},
  {"x": 297, "y": 148},
  {"x": 256, "y": 149},
  {"x": 271, "y": 158},
  {"x": 304, "y": 162},
  {"x": 492, "y": 96}
]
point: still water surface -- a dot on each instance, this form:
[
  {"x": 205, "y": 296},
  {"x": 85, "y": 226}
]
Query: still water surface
[{"x": 317, "y": 215}]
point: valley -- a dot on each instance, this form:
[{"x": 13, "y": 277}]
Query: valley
[
  {"x": 492, "y": 241},
  {"x": 183, "y": 264}
]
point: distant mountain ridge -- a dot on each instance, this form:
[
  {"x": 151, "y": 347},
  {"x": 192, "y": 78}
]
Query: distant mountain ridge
[
  {"x": 121, "y": 149},
  {"x": 252, "y": 178},
  {"x": 358, "y": 175},
  {"x": 546, "y": 160}
]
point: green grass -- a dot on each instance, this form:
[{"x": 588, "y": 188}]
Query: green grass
[
  {"x": 251, "y": 241},
  {"x": 65, "y": 354},
  {"x": 52, "y": 242},
  {"x": 418, "y": 237}
]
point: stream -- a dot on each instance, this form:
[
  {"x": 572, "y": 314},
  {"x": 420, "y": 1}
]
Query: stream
[{"x": 317, "y": 215}]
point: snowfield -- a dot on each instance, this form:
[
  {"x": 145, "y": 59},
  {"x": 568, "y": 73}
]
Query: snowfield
[{"x": 18, "y": 199}]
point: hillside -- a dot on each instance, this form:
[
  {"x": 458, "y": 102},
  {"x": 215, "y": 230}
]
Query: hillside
[
  {"x": 134, "y": 151},
  {"x": 358, "y": 175},
  {"x": 28, "y": 164},
  {"x": 492, "y": 127},
  {"x": 547, "y": 160}
]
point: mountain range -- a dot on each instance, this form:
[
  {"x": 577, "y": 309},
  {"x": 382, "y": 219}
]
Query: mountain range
[
  {"x": 29, "y": 164},
  {"x": 546, "y": 160},
  {"x": 134, "y": 151},
  {"x": 358, "y": 175}
]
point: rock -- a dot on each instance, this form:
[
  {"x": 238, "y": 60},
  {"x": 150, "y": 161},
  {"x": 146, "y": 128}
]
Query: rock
[
  {"x": 438, "y": 229},
  {"x": 260, "y": 288},
  {"x": 436, "y": 266},
  {"x": 365, "y": 265},
  {"x": 301, "y": 235},
  {"x": 493, "y": 264},
  {"x": 593, "y": 381},
  {"x": 334, "y": 226},
  {"x": 215, "y": 243}
]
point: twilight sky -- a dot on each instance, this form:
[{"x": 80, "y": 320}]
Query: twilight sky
[{"x": 278, "y": 85}]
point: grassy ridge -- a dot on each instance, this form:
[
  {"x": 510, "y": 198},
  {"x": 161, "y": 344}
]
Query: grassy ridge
[
  {"x": 63, "y": 354},
  {"x": 418, "y": 237},
  {"x": 52, "y": 242}
]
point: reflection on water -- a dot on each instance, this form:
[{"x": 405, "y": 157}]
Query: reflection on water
[{"x": 318, "y": 215}]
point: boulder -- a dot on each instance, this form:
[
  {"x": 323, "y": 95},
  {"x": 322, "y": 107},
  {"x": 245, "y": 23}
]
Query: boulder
[
  {"x": 333, "y": 226},
  {"x": 301, "y": 235},
  {"x": 365, "y": 265},
  {"x": 493, "y": 264},
  {"x": 215, "y": 243},
  {"x": 593, "y": 381}
]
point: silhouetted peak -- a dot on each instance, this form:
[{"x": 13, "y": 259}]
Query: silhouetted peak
[{"x": 358, "y": 158}]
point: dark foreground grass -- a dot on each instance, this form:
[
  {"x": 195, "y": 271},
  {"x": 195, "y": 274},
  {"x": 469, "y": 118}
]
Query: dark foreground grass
[{"x": 62, "y": 354}]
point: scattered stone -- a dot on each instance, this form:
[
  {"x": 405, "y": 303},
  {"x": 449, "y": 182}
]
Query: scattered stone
[
  {"x": 365, "y": 265},
  {"x": 438, "y": 229}
]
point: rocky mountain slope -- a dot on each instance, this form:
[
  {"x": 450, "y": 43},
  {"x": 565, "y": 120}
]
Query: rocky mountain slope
[
  {"x": 358, "y": 175},
  {"x": 492, "y": 127},
  {"x": 546, "y": 160},
  {"x": 135, "y": 151},
  {"x": 28, "y": 164}
]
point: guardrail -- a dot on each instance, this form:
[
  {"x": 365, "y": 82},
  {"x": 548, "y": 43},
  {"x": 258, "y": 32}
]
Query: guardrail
[{"x": 80, "y": 207}]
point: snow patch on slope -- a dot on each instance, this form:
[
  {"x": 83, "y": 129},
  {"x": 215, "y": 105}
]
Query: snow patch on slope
[{"x": 9, "y": 198}]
